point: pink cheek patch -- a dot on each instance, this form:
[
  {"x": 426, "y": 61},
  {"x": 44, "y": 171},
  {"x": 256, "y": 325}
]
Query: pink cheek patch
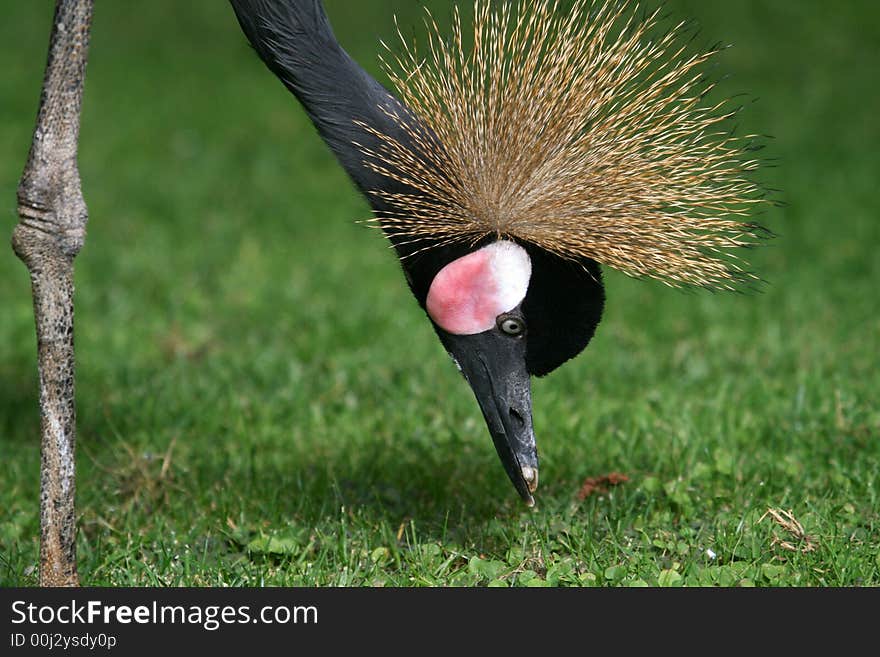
[
  {"x": 460, "y": 298},
  {"x": 468, "y": 294}
]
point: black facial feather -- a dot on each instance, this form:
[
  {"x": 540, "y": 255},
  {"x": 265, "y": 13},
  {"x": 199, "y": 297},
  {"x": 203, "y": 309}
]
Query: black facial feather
[{"x": 562, "y": 309}]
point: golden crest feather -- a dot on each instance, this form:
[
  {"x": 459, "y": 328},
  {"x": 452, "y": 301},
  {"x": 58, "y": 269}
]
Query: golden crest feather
[{"x": 585, "y": 132}]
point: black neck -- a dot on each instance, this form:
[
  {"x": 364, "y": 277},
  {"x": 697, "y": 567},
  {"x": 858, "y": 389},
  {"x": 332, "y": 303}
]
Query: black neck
[{"x": 296, "y": 42}]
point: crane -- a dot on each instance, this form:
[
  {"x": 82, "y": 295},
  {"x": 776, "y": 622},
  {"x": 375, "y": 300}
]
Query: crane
[{"x": 504, "y": 174}]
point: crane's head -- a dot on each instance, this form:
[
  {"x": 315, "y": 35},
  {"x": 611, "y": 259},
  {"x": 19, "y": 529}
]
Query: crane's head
[
  {"x": 505, "y": 312},
  {"x": 559, "y": 140}
]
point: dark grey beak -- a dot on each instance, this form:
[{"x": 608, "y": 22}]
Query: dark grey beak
[{"x": 495, "y": 367}]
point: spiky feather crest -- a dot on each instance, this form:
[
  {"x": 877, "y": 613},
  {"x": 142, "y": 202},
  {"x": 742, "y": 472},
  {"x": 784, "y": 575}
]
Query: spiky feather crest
[{"x": 578, "y": 131}]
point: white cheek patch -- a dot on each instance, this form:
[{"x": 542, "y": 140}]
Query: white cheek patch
[{"x": 468, "y": 294}]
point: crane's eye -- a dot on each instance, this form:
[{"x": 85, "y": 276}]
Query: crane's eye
[{"x": 511, "y": 325}]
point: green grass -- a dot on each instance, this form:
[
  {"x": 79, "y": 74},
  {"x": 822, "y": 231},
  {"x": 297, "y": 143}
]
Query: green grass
[{"x": 261, "y": 402}]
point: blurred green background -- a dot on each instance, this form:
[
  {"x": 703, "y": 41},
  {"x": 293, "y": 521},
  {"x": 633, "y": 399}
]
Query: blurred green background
[{"x": 261, "y": 401}]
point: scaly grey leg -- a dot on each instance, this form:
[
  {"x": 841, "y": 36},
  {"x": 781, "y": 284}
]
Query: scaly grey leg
[{"x": 50, "y": 233}]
